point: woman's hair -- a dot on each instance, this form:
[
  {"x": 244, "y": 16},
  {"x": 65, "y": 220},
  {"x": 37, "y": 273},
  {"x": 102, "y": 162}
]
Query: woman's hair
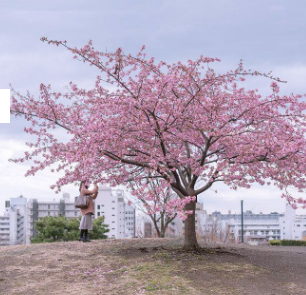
[{"x": 83, "y": 182}]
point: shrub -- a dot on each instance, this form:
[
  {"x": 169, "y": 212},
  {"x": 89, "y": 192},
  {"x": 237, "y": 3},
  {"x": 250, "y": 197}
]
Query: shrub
[
  {"x": 292, "y": 243},
  {"x": 275, "y": 242},
  {"x": 59, "y": 228}
]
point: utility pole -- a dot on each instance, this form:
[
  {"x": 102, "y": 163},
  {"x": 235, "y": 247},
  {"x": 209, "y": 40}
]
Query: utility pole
[{"x": 241, "y": 221}]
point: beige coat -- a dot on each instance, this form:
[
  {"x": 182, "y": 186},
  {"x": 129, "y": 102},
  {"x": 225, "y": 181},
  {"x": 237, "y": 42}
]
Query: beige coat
[
  {"x": 91, "y": 207},
  {"x": 92, "y": 195}
]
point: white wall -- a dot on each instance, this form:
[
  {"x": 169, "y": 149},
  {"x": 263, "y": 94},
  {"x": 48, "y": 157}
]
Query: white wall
[{"x": 110, "y": 204}]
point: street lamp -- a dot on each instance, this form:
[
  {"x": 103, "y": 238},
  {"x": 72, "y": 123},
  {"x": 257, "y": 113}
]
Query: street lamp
[{"x": 241, "y": 221}]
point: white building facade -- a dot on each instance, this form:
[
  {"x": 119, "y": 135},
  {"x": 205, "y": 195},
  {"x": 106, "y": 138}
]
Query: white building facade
[
  {"x": 293, "y": 227},
  {"x": 119, "y": 216},
  {"x": 4, "y": 230},
  {"x": 13, "y": 224},
  {"x": 257, "y": 228},
  {"x": 130, "y": 221}
]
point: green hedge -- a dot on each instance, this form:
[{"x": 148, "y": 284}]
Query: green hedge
[
  {"x": 287, "y": 243},
  {"x": 275, "y": 242},
  {"x": 292, "y": 243}
]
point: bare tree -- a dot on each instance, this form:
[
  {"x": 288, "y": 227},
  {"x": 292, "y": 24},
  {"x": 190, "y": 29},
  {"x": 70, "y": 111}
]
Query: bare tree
[{"x": 153, "y": 199}]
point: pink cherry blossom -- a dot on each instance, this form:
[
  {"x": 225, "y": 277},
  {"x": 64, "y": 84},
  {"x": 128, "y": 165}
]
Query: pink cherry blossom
[{"x": 181, "y": 122}]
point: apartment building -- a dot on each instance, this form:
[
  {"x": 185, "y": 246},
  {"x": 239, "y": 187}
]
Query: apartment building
[
  {"x": 4, "y": 230},
  {"x": 257, "y": 228},
  {"x": 119, "y": 216},
  {"x": 13, "y": 224},
  {"x": 53, "y": 208},
  {"x": 130, "y": 221},
  {"x": 293, "y": 227}
]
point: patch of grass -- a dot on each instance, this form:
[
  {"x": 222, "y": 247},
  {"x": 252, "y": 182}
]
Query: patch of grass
[
  {"x": 131, "y": 267},
  {"x": 157, "y": 276},
  {"x": 163, "y": 255}
]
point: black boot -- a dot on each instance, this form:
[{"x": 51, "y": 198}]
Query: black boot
[
  {"x": 81, "y": 239},
  {"x": 86, "y": 239}
]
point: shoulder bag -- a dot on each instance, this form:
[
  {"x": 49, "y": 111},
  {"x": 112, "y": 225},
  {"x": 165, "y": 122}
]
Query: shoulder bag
[{"x": 82, "y": 202}]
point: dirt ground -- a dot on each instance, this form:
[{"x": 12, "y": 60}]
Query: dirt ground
[{"x": 151, "y": 266}]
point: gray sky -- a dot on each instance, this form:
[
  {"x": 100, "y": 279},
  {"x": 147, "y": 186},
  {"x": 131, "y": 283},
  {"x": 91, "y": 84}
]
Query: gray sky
[{"x": 266, "y": 34}]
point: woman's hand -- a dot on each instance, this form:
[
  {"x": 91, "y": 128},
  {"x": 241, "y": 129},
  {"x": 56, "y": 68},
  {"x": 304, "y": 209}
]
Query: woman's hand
[{"x": 85, "y": 191}]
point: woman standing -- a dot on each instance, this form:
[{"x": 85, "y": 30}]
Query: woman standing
[{"x": 86, "y": 221}]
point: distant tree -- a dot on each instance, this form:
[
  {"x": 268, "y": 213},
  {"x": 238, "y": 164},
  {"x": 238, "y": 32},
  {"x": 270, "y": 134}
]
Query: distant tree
[
  {"x": 52, "y": 229},
  {"x": 99, "y": 229},
  {"x": 71, "y": 231},
  {"x": 157, "y": 200},
  {"x": 60, "y": 228},
  {"x": 214, "y": 232}
]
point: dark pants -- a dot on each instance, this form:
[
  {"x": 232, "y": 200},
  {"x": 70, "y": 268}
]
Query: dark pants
[{"x": 84, "y": 233}]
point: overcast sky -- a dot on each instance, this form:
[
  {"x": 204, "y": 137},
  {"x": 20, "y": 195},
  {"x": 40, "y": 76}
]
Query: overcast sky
[{"x": 265, "y": 34}]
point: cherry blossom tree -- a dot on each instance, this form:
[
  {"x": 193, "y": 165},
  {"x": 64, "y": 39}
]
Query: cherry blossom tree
[
  {"x": 157, "y": 200},
  {"x": 179, "y": 122}
]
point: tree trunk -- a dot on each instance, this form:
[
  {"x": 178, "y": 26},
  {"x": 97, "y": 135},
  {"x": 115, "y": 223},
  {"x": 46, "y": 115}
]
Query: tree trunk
[
  {"x": 190, "y": 238},
  {"x": 160, "y": 231},
  {"x": 162, "y": 226},
  {"x": 153, "y": 218}
]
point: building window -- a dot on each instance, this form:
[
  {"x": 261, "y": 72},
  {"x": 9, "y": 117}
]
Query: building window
[
  {"x": 98, "y": 213},
  {"x": 98, "y": 206}
]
